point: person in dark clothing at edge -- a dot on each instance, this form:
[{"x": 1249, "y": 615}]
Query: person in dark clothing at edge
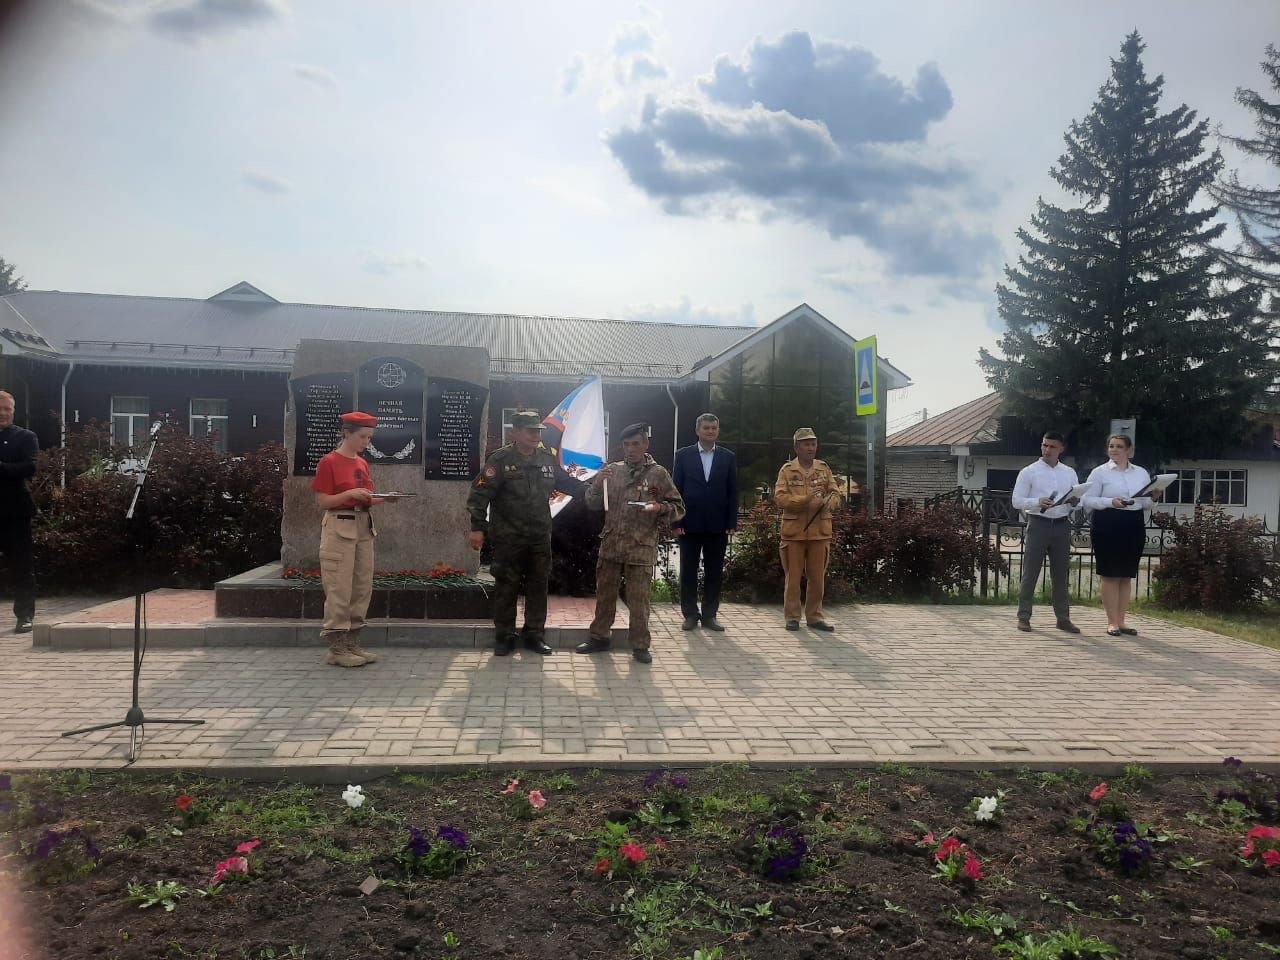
[
  {"x": 18, "y": 451},
  {"x": 510, "y": 505}
]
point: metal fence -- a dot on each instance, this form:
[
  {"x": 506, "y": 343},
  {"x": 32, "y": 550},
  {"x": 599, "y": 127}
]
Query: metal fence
[{"x": 1001, "y": 525}]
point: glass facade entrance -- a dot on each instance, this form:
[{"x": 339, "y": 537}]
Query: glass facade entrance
[{"x": 800, "y": 376}]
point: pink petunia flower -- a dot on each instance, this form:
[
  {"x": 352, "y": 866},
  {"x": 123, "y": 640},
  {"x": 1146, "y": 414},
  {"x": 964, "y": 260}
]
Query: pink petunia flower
[
  {"x": 949, "y": 846},
  {"x": 927, "y": 839},
  {"x": 184, "y": 801},
  {"x": 537, "y": 800},
  {"x": 1271, "y": 858},
  {"x": 972, "y": 867},
  {"x": 602, "y": 866},
  {"x": 633, "y": 852},
  {"x": 247, "y": 846},
  {"x": 1098, "y": 792},
  {"x": 1259, "y": 833},
  {"x": 511, "y": 787},
  {"x": 660, "y": 843}
]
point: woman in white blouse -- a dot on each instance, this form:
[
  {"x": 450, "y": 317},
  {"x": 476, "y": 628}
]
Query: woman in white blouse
[{"x": 1118, "y": 527}]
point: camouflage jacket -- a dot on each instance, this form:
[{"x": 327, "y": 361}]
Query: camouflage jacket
[
  {"x": 630, "y": 535},
  {"x": 513, "y": 490},
  {"x": 802, "y": 517}
]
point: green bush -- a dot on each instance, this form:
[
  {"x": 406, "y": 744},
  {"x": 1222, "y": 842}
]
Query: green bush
[
  {"x": 910, "y": 554},
  {"x": 208, "y": 515},
  {"x": 1217, "y": 562},
  {"x": 753, "y": 570}
]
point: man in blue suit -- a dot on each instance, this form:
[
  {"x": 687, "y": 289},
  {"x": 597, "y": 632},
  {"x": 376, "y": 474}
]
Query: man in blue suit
[{"x": 706, "y": 474}]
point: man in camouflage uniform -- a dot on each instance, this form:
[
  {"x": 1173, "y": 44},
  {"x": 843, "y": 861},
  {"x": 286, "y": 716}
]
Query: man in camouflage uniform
[
  {"x": 807, "y": 493},
  {"x": 509, "y": 503},
  {"x": 640, "y": 494}
]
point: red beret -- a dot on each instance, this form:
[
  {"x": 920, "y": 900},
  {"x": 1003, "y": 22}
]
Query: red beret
[{"x": 358, "y": 419}]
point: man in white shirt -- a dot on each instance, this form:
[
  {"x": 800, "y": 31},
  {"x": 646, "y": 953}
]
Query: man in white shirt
[{"x": 1039, "y": 487}]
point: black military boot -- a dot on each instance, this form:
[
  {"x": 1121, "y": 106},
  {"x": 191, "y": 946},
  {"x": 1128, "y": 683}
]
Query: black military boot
[{"x": 502, "y": 646}]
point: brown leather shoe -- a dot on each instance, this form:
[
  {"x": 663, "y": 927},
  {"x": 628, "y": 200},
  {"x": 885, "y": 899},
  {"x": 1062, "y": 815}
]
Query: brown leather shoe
[{"x": 1024, "y": 626}]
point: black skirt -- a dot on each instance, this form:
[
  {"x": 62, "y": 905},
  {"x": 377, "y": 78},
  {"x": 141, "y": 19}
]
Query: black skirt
[{"x": 1118, "y": 538}]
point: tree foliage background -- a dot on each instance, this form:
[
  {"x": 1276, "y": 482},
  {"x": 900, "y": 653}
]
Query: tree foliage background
[
  {"x": 1120, "y": 306},
  {"x": 10, "y": 282}
]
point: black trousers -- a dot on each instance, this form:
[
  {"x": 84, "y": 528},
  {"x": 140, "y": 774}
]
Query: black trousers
[
  {"x": 710, "y": 548},
  {"x": 15, "y": 542},
  {"x": 517, "y": 568}
]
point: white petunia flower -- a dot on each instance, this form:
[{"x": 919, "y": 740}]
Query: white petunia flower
[
  {"x": 354, "y": 796},
  {"x": 986, "y": 808}
]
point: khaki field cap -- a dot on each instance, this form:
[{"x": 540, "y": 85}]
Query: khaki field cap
[
  {"x": 804, "y": 433},
  {"x": 526, "y": 418}
]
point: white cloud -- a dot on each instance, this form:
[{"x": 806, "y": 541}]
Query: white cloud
[
  {"x": 315, "y": 75},
  {"x": 685, "y": 312},
  {"x": 385, "y": 264},
  {"x": 264, "y": 182},
  {"x": 193, "y": 20},
  {"x": 571, "y": 76}
]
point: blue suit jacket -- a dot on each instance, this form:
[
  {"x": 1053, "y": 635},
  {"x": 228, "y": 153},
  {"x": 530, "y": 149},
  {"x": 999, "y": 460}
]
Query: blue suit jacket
[{"x": 711, "y": 506}]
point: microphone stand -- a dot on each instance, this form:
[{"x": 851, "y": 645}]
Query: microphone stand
[{"x": 134, "y": 718}]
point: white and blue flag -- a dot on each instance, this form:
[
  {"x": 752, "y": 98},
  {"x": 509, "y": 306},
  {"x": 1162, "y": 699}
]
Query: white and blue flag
[{"x": 580, "y": 419}]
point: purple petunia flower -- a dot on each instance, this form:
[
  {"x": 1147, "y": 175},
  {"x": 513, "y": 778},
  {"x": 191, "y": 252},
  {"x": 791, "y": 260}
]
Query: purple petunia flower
[
  {"x": 453, "y": 835},
  {"x": 1232, "y": 762},
  {"x": 654, "y": 778},
  {"x": 418, "y": 843},
  {"x": 48, "y": 842},
  {"x": 6, "y": 781},
  {"x": 679, "y": 782}
]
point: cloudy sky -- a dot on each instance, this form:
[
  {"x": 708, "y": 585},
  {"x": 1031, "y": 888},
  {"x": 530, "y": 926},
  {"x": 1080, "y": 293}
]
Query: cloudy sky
[{"x": 710, "y": 162}]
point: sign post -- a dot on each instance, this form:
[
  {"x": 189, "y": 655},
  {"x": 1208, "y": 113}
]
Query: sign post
[{"x": 866, "y": 404}]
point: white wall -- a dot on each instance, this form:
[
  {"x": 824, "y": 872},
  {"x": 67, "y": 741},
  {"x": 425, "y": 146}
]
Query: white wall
[{"x": 1262, "y": 488}]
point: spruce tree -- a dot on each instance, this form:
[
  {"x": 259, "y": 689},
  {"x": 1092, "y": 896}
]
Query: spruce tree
[
  {"x": 1257, "y": 209},
  {"x": 1119, "y": 307},
  {"x": 9, "y": 281}
]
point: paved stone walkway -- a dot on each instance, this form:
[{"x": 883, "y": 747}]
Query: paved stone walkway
[{"x": 919, "y": 684}]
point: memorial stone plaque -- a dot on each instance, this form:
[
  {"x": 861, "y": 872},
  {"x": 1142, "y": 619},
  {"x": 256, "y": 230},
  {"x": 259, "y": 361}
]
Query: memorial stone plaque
[
  {"x": 455, "y": 428},
  {"x": 390, "y": 388},
  {"x": 319, "y": 400}
]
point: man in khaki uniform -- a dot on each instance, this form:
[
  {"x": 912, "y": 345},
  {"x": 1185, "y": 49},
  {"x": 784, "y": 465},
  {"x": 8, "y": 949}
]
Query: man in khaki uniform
[
  {"x": 806, "y": 491},
  {"x": 640, "y": 493}
]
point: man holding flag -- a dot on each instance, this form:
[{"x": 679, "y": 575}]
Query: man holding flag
[{"x": 510, "y": 504}]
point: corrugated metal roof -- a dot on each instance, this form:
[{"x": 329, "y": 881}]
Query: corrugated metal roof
[
  {"x": 977, "y": 421},
  {"x": 110, "y": 328}
]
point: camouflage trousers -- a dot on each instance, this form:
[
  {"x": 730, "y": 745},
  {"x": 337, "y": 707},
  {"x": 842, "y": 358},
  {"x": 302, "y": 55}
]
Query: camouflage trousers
[
  {"x": 638, "y": 577},
  {"x": 516, "y": 568}
]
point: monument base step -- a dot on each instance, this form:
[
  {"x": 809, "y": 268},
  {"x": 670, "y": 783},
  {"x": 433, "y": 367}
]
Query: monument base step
[
  {"x": 247, "y": 633},
  {"x": 263, "y": 593}
]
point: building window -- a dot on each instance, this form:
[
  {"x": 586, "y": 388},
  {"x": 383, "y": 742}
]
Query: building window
[
  {"x": 1227, "y": 487},
  {"x": 507, "y": 414},
  {"x": 130, "y": 419},
  {"x": 209, "y": 422}
]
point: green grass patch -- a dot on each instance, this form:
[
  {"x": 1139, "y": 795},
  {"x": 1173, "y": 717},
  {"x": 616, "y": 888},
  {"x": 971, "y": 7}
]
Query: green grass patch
[{"x": 1260, "y": 626}]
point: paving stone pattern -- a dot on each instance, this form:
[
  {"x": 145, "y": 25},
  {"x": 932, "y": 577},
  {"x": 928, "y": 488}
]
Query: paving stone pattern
[{"x": 936, "y": 684}]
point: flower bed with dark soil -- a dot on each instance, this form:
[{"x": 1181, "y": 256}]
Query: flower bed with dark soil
[{"x": 724, "y": 862}]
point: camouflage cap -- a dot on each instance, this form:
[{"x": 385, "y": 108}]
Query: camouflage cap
[
  {"x": 526, "y": 418},
  {"x": 804, "y": 433}
]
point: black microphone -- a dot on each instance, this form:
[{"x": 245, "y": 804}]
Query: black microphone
[{"x": 156, "y": 428}]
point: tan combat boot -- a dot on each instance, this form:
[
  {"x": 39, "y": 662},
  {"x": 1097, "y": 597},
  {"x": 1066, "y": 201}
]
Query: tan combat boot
[
  {"x": 339, "y": 655},
  {"x": 353, "y": 646}
]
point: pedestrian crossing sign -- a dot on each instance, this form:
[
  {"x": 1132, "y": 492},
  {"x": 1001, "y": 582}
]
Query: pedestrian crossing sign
[{"x": 864, "y": 370}]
